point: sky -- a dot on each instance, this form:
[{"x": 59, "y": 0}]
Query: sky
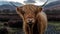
[{"x": 21, "y": 1}]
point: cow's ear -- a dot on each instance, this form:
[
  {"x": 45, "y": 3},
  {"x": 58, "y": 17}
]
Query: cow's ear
[
  {"x": 39, "y": 9},
  {"x": 19, "y": 10}
]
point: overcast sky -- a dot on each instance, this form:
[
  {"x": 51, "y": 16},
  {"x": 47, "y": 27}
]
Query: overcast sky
[{"x": 24, "y": 0}]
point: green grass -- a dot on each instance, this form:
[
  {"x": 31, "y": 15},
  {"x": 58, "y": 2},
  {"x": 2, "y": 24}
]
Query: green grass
[{"x": 56, "y": 24}]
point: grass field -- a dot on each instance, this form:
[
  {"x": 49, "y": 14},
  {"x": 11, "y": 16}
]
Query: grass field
[
  {"x": 53, "y": 23},
  {"x": 56, "y": 24}
]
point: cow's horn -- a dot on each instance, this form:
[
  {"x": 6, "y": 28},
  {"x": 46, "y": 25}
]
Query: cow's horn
[{"x": 44, "y": 3}]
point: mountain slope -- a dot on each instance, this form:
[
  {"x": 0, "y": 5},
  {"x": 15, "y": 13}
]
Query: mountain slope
[
  {"x": 52, "y": 4},
  {"x": 6, "y": 2},
  {"x": 8, "y": 5}
]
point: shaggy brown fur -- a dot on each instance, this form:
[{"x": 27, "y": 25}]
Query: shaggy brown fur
[{"x": 36, "y": 16}]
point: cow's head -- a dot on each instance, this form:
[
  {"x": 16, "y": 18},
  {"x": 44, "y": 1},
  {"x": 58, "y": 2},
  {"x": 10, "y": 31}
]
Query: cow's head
[{"x": 29, "y": 12}]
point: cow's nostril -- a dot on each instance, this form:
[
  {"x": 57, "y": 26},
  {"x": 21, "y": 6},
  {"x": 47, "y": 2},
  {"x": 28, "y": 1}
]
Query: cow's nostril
[{"x": 30, "y": 22}]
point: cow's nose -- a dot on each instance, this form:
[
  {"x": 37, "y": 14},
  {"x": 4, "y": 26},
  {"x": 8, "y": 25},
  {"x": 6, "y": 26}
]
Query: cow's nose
[{"x": 30, "y": 21}]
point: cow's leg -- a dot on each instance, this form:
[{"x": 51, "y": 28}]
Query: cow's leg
[
  {"x": 25, "y": 29},
  {"x": 30, "y": 31},
  {"x": 41, "y": 28}
]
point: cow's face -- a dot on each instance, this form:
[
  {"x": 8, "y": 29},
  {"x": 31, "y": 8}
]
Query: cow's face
[{"x": 28, "y": 13}]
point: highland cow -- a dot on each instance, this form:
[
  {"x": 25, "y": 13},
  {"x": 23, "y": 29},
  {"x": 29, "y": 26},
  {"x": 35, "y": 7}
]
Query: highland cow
[{"x": 34, "y": 19}]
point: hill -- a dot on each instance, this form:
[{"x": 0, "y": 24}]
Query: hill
[
  {"x": 8, "y": 5},
  {"x": 52, "y": 4}
]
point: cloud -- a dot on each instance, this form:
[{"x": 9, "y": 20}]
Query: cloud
[
  {"x": 39, "y": 1},
  {"x": 2, "y": 0},
  {"x": 25, "y": 0}
]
